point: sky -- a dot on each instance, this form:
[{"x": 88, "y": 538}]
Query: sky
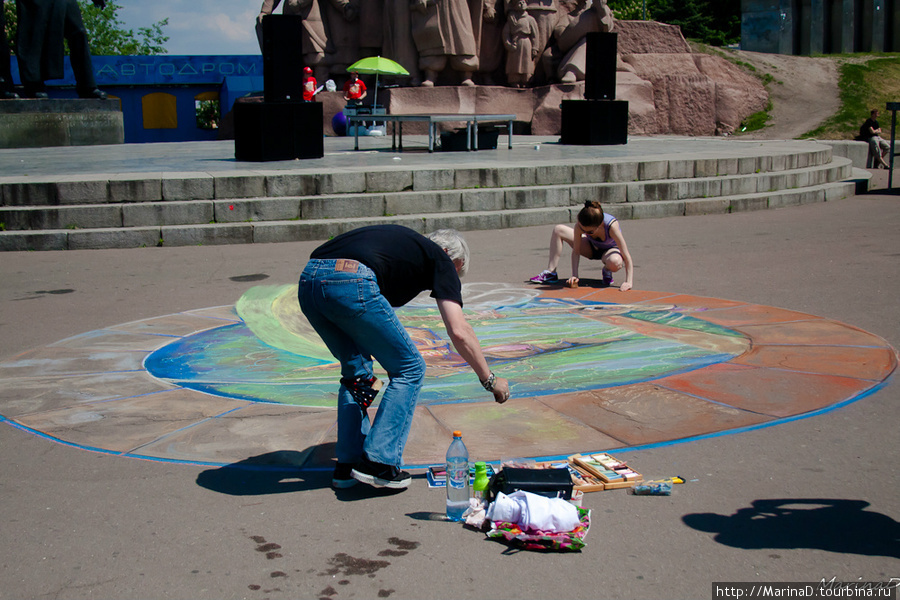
[{"x": 198, "y": 27}]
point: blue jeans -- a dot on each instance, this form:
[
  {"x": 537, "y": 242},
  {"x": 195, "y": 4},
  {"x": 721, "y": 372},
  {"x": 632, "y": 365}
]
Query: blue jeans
[{"x": 357, "y": 323}]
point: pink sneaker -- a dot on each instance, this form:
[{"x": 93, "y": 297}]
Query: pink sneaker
[{"x": 545, "y": 277}]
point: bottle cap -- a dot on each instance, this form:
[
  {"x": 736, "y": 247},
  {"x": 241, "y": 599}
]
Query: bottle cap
[{"x": 457, "y": 433}]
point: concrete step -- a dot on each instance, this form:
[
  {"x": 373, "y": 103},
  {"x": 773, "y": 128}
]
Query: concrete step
[
  {"x": 350, "y": 205},
  {"x": 323, "y": 228},
  {"x": 64, "y": 190}
]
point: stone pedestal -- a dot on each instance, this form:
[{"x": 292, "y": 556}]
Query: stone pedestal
[{"x": 60, "y": 122}]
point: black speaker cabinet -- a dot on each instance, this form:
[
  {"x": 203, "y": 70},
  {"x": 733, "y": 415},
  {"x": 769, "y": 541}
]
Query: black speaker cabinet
[
  {"x": 600, "y": 66},
  {"x": 278, "y": 131},
  {"x": 594, "y": 122},
  {"x": 282, "y": 58}
]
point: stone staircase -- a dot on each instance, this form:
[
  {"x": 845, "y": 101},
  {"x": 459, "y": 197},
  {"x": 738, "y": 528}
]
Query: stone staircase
[{"x": 181, "y": 209}]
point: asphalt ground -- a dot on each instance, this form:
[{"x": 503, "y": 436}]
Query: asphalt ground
[{"x": 803, "y": 501}]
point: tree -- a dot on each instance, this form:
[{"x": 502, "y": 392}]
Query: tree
[
  {"x": 628, "y": 10},
  {"x": 110, "y": 38},
  {"x": 715, "y": 22},
  {"x": 108, "y": 35}
]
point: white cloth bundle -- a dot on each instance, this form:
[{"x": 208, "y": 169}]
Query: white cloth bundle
[{"x": 535, "y": 512}]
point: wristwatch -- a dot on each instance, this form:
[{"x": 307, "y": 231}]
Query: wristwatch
[{"x": 488, "y": 383}]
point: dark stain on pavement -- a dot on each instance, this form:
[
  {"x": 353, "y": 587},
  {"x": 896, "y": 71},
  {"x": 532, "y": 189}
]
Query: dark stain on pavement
[
  {"x": 245, "y": 278},
  {"x": 350, "y": 565},
  {"x": 268, "y": 548},
  {"x": 403, "y": 547}
]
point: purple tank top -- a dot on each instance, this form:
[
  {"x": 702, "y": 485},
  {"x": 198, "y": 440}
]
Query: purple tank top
[{"x": 608, "y": 243}]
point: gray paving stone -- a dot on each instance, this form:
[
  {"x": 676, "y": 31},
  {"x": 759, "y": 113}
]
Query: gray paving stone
[
  {"x": 486, "y": 199},
  {"x": 749, "y": 203},
  {"x": 706, "y": 206},
  {"x": 657, "y": 210},
  {"x": 536, "y": 197},
  {"x": 126, "y": 189},
  {"x": 605, "y": 193},
  {"x": 29, "y": 194},
  {"x": 433, "y": 179},
  {"x": 21, "y": 241},
  {"x": 280, "y": 231},
  {"x": 414, "y": 203},
  {"x": 464, "y": 221},
  {"x": 467, "y": 178},
  {"x": 389, "y": 181},
  {"x": 653, "y": 169},
  {"x": 681, "y": 169},
  {"x": 240, "y": 186},
  {"x": 148, "y": 214},
  {"x": 592, "y": 173},
  {"x": 553, "y": 174},
  {"x": 538, "y": 216},
  {"x": 135, "y": 237},
  {"x": 187, "y": 186},
  {"x": 512, "y": 177},
  {"x": 62, "y": 217},
  {"x": 342, "y": 207},
  {"x": 341, "y": 183},
  {"x": 82, "y": 191},
  {"x": 207, "y": 235},
  {"x": 290, "y": 184},
  {"x": 259, "y": 209}
]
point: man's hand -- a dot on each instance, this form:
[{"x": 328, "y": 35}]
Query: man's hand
[{"x": 501, "y": 390}]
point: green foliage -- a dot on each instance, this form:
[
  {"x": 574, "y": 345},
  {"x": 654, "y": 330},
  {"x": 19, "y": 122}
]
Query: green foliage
[
  {"x": 107, "y": 34},
  {"x": 756, "y": 121},
  {"x": 9, "y": 12},
  {"x": 628, "y": 10},
  {"x": 863, "y": 86},
  {"x": 715, "y": 22},
  {"x": 207, "y": 112}
]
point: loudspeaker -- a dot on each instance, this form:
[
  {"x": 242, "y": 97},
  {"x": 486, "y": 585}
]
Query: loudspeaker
[
  {"x": 594, "y": 122},
  {"x": 282, "y": 58},
  {"x": 278, "y": 131},
  {"x": 600, "y": 66}
]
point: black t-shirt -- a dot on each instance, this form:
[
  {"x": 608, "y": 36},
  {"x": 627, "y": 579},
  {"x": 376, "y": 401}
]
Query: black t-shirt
[
  {"x": 406, "y": 263},
  {"x": 864, "y": 131}
]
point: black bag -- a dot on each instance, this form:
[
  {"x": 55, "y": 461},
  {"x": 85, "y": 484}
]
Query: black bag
[{"x": 552, "y": 483}]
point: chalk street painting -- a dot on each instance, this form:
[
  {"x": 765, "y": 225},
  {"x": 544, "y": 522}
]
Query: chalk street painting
[
  {"x": 542, "y": 345},
  {"x": 591, "y": 370}
]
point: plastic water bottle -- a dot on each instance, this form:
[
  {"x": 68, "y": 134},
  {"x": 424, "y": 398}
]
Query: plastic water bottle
[{"x": 457, "y": 478}]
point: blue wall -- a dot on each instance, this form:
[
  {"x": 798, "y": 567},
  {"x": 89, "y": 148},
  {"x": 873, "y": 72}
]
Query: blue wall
[{"x": 130, "y": 78}]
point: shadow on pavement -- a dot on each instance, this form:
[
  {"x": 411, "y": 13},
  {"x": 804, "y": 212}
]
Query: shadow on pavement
[
  {"x": 270, "y": 473},
  {"x": 842, "y": 526},
  {"x": 281, "y": 472}
]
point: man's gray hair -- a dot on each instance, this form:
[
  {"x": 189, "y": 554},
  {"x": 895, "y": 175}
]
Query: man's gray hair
[{"x": 455, "y": 246}]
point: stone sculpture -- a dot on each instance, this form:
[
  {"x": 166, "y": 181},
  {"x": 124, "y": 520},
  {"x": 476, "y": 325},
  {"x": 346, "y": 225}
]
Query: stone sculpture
[
  {"x": 519, "y": 38},
  {"x": 43, "y": 26},
  {"x": 343, "y": 30},
  {"x": 442, "y": 32}
]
